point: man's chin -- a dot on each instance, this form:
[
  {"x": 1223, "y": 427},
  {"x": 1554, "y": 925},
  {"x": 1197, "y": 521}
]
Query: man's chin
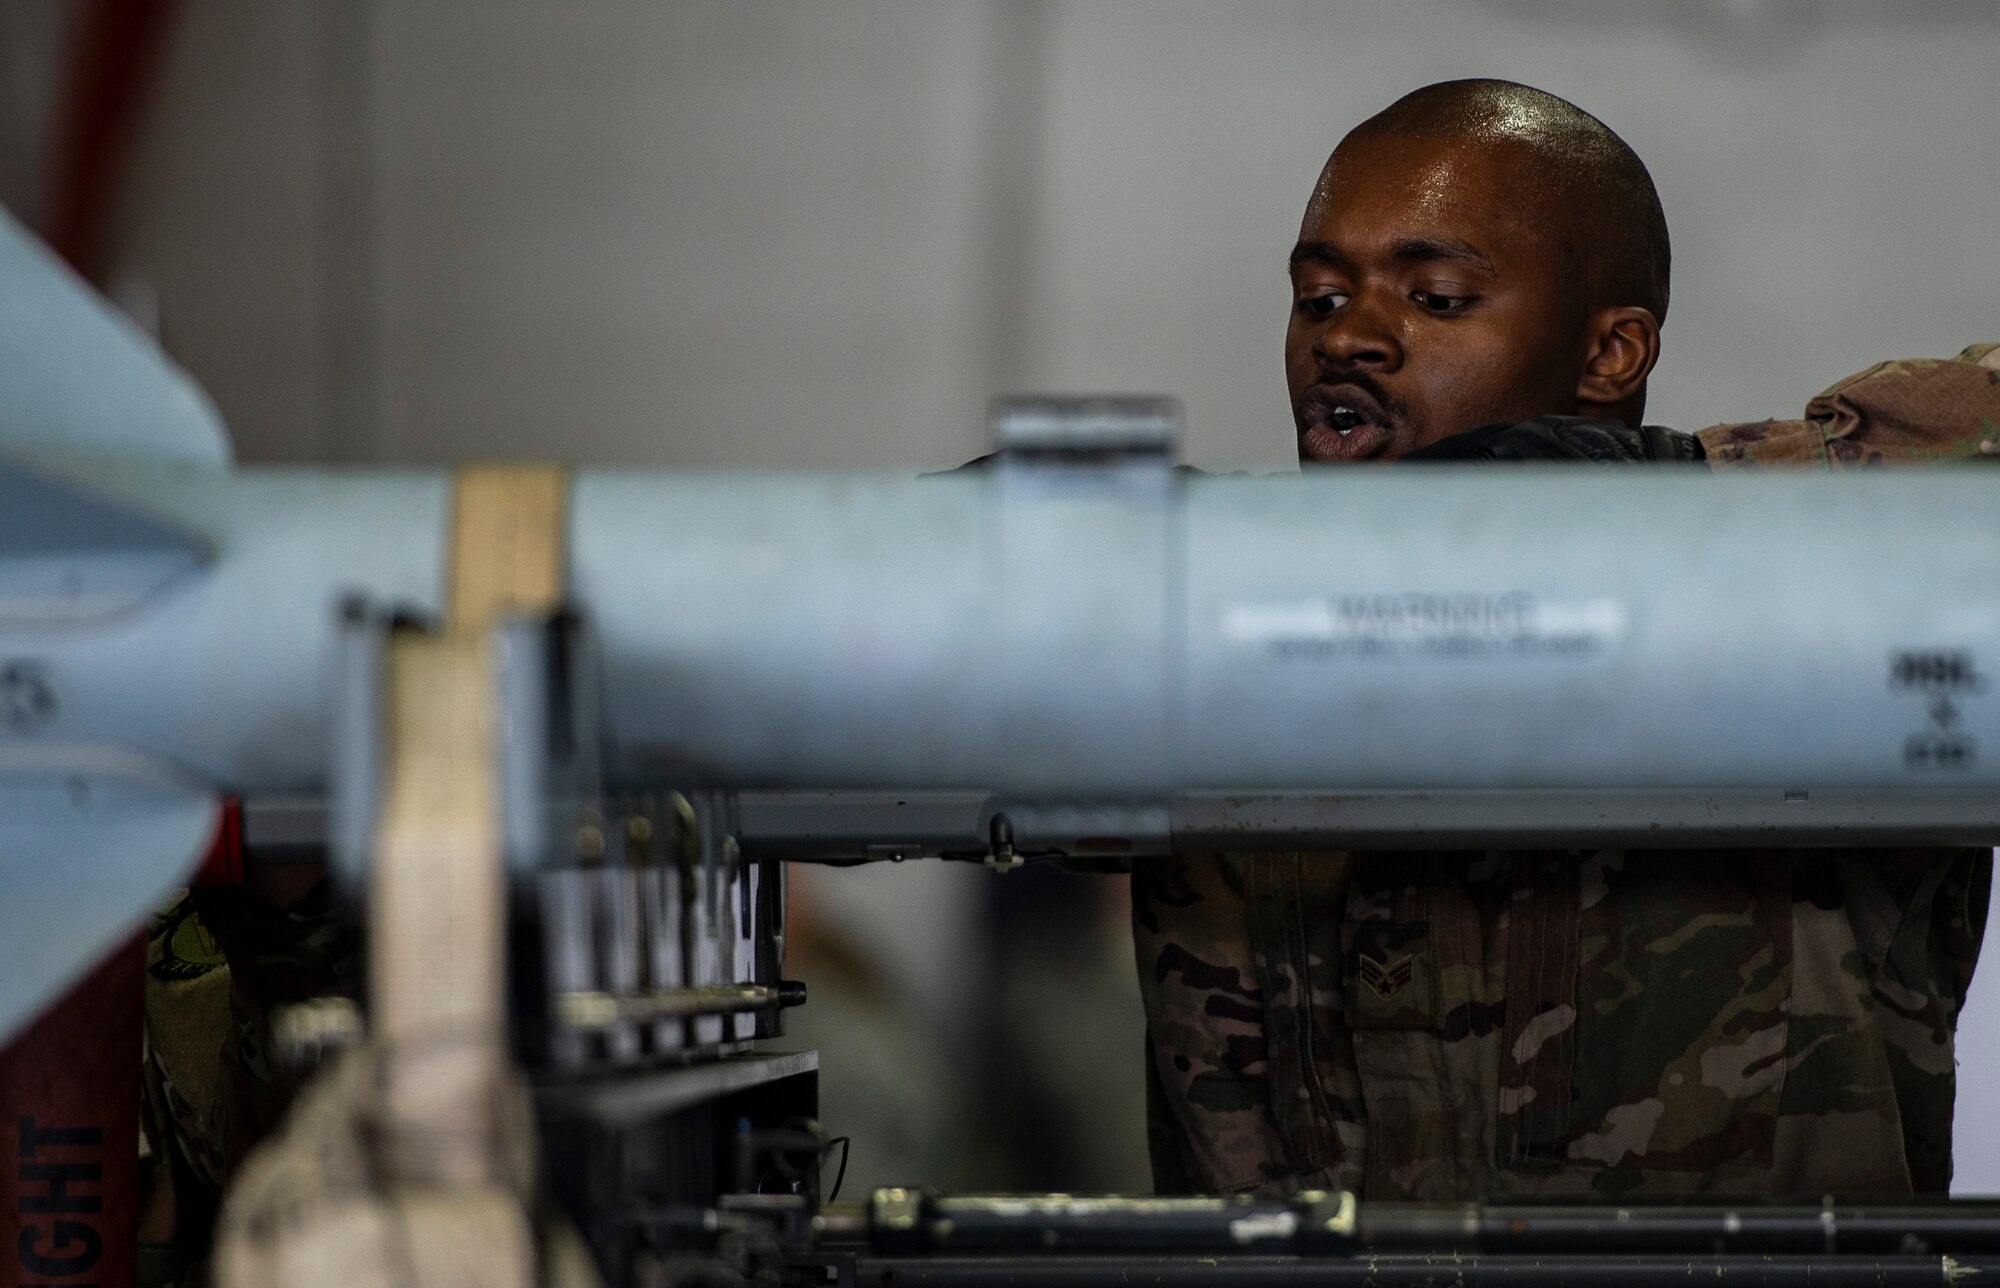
[{"x": 1324, "y": 443}]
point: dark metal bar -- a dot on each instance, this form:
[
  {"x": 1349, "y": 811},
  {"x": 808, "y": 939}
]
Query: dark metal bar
[
  {"x": 1964, "y": 1227},
  {"x": 1335, "y": 1224},
  {"x": 1409, "y": 1271},
  {"x": 811, "y": 826}
]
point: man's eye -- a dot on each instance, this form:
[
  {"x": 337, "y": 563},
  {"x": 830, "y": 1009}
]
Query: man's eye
[
  {"x": 1434, "y": 302},
  {"x": 1322, "y": 306}
]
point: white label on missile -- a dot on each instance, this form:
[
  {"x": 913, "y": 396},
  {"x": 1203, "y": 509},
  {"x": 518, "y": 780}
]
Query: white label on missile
[{"x": 1429, "y": 625}]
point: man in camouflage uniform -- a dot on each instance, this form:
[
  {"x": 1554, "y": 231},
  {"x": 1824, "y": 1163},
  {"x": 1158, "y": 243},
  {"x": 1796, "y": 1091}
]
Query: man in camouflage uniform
[{"x": 1466, "y": 1025}]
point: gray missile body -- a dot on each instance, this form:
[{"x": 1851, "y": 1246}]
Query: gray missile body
[
  {"x": 168, "y": 629},
  {"x": 1365, "y": 631}
]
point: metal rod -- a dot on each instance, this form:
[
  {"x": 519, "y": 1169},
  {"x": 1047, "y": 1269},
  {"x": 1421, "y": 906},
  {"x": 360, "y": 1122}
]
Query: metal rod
[
  {"x": 595, "y": 1009},
  {"x": 1333, "y": 1223},
  {"x": 1416, "y": 1272}
]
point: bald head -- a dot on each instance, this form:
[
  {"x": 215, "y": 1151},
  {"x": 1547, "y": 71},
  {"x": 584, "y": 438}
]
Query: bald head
[
  {"x": 1478, "y": 252},
  {"x": 1593, "y": 194}
]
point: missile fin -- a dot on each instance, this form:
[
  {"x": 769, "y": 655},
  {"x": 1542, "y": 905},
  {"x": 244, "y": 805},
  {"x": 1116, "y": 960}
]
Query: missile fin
[
  {"x": 89, "y": 844},
  {"x": 77, "y": 376},
  {"x": 68, "y": 555}
]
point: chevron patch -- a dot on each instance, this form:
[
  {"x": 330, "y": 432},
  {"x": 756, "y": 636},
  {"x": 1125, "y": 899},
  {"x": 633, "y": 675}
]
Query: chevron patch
[{"x": 1385, "y": 979}]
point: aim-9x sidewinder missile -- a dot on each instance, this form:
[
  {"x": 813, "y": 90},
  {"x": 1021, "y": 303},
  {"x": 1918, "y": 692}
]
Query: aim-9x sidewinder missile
[{"x": 1090, "y": 626}]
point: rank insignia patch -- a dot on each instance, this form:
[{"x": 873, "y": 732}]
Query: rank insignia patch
[
  {"x": 1386, "y": 978},
  {"x": 1391, "y": 975}
]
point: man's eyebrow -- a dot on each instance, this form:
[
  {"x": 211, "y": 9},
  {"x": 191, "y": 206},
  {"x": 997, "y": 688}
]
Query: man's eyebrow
[
  {"x": 1315, "y": 252},
  {"x": 1409, "y": 250},
  {"x": 1426, "y": 250}
]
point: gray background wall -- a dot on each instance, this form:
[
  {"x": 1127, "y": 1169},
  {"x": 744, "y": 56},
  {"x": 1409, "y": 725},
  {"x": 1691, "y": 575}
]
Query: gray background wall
[
  {"x": 733, "y": 232},
  {"x": 824, "y": 232}
]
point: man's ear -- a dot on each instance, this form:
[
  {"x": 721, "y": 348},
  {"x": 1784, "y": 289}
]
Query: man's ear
[{"x": 1621, "y": 346}]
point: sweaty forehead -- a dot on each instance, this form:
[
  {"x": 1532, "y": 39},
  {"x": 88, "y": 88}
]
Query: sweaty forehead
[{"x": 1493, "y": 193}]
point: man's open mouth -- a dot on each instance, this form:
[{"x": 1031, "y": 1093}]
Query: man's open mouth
[{"x": 1342, "y": 423}]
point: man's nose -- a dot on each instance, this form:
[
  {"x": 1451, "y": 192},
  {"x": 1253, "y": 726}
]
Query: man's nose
[{"x": 1359, "y": 335}]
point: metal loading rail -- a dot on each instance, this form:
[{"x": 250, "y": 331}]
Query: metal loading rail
[
  {"x": 1408, "y": 1272},
  {"x": 903, "y": 1238}
]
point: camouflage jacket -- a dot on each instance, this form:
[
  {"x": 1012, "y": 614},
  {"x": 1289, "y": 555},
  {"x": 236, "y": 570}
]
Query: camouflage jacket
[
  {"x": 219, "y": 962},
  {"x": 1456, "y": 1026}
]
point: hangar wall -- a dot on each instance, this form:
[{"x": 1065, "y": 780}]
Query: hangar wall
[{"x": 703, "y": 232}]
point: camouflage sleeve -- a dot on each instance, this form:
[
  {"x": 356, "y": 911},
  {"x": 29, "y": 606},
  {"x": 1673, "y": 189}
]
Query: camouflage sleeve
[
  {"x": 219, "y": 962},
  {"x": 1918, "y": 917},
  {"x": 1209, "y": 1124},
  {"x": 1910, "y": 410},
  {"x": 1166, "y": 1138}
]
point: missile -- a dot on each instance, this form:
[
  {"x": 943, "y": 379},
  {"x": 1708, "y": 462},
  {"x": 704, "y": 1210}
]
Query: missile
[{"x": 1085, "y": 626}]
